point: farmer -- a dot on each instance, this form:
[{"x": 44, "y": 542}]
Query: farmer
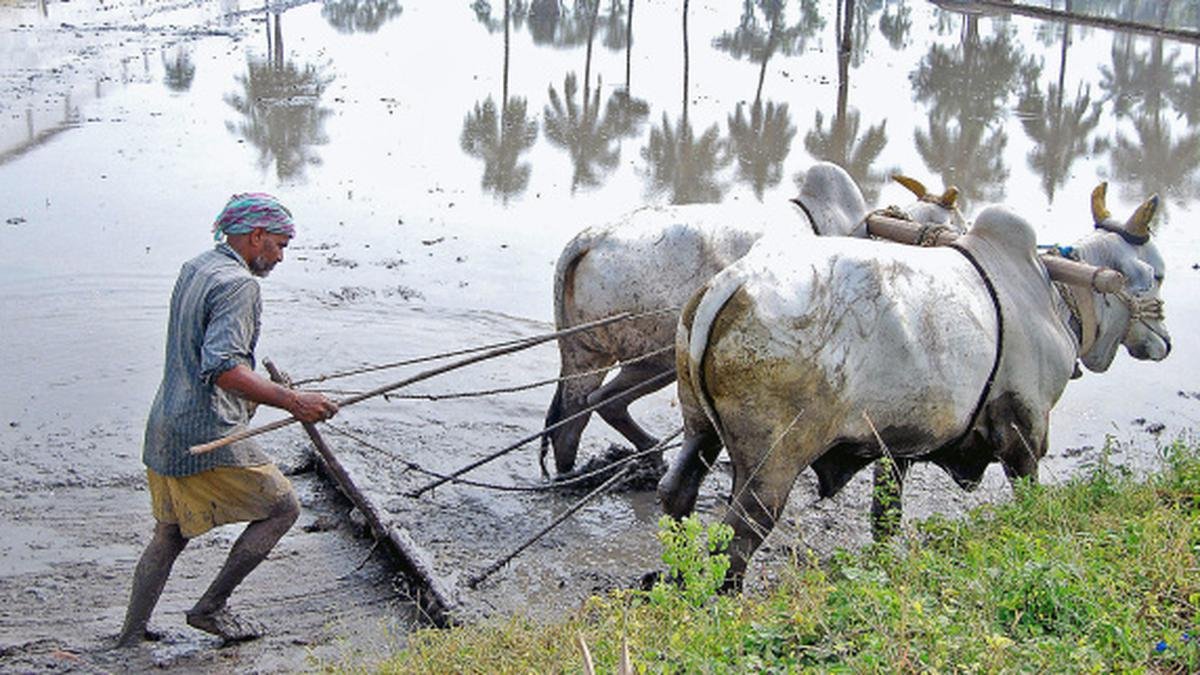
[{"x": 208, "y": 390}]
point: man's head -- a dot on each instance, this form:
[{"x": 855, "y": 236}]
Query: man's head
[{"x": 258, "y": 227}]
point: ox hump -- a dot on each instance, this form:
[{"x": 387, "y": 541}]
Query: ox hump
[{"x": 1005, "y": 230}]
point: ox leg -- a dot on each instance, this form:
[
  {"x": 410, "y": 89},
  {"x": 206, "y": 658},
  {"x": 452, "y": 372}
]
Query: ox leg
[
  {"x": 571, "y": 397},
  {"x": 887, "y": 497},
  {"x": 679, "y": 488},
  {"x": 760, "y": 492},
  {"x": 1020, "y": 455},
  {"x": 616, "y": 412}
]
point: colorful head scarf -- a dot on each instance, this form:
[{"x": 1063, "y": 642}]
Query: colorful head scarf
[{"x": 249, "y": 210}]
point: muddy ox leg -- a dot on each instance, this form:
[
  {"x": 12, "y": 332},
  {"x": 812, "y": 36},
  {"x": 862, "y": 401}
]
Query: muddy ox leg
[
  {"x": 761, "y": 486},
  {"x": 678, "y": 489},
  {"x": 569, "y": 399},
  {"x": 887, "y": 498},
  {"x": 616, "y": 412}
]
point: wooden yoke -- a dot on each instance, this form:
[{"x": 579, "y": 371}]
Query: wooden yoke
[{"x": 1100, "y": 279}]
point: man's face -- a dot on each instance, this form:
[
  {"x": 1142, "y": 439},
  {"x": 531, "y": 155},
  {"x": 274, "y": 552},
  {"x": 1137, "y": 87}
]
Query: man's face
[{"x": 268, "y": 251}]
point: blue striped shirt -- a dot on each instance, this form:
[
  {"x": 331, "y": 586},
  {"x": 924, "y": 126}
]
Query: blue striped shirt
[{"x": 213, "y": 326}]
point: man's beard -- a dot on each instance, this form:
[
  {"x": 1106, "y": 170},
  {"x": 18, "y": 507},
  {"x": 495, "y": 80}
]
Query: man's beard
[{"x": 259, "y": 267}]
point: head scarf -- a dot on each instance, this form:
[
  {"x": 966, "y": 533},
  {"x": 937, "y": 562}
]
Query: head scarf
[{"x": 249, "y": 210}]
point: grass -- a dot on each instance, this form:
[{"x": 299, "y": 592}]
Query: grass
[{"x": 1101, "y": 574}]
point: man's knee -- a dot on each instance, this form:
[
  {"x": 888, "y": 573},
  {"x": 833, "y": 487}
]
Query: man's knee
[{"x": 287, "y": 508}]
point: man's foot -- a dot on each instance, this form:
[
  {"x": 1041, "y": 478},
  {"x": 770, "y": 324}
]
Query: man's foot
[{"x": 226, "y": 625}]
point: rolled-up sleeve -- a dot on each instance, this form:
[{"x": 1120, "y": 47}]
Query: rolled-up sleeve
[{"x": 234, "y": 312}]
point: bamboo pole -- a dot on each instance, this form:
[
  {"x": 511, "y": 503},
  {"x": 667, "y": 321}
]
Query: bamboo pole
[
  {"x": 439, "y": 603},
  {"x": 424, "y": 375},
  {"x": 1110, "y": 23},
  {"x": 1101, "y": 279}
]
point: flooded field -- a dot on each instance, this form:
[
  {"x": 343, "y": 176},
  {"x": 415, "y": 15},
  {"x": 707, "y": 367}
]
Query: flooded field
[{"x": 437, "y": 156}]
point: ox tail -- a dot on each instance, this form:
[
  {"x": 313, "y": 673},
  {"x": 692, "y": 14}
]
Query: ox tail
[
  {"x": 564, "y": 300},
  {"x": 695, "y": 331}
]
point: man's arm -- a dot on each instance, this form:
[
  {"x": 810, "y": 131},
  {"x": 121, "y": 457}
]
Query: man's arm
[{"x": 304, "y": 406}]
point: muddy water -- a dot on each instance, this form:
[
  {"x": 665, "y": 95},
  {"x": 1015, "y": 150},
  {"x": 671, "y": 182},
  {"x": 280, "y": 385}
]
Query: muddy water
[{"x": 437, "y": 157}]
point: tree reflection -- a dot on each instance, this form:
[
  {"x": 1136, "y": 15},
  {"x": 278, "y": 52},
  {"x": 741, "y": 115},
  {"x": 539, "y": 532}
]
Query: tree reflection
[
  {"x": 589, "y": 137},
  {"x": 1154, "y": 159},
  {"x": 281, "y": 104},
  {"x": 679, "y": 162},
  {"x": 178, "y": 69},
  {"x": 761, "y": 142},
  {"x": 1060, "y": 130},
  {"x": 499, "y": 138},
  {"x": 845, "y": 142},
  {"x": 359, "y": 16},
  {"x": 896, "y": 26},
  {"x": 966, "y": 87}
]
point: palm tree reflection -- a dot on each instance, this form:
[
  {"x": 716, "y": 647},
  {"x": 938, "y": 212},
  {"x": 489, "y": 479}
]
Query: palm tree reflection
[
  {"x": 1154, "y": 159},
  {"x": 842, "y": 143},
  {"x": 281, "y": 105},
  {"x": 591, "y": 139},
  {"x": 499, "y": 138},
  {"x": 178, "y": 69},
  {"x": 1060, "y": 130},
  {"x": 967, "y": 87},
  {"x": 359, "y": 16},
  {"x": 677, "y": 161}
]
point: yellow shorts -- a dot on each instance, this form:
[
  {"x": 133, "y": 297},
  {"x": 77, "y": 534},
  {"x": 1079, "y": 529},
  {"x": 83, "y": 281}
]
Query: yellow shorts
[{"x": 226, "y": 494}]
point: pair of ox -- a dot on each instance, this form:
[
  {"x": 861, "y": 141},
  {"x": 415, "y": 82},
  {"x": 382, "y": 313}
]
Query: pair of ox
[
  {"x": 826, "y": 351},
  {"x": 649, "y": 263}
]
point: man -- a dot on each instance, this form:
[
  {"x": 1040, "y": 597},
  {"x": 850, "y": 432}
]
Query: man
[{"x": 208, "y": 390}]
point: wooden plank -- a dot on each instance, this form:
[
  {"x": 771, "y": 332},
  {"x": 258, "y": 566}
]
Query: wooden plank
[
  {"x": 436, "y": 600},
  {"x": 1102, "y": 279}
]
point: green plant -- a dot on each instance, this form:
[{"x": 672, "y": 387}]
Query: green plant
[{"x": 695, "y": 559}]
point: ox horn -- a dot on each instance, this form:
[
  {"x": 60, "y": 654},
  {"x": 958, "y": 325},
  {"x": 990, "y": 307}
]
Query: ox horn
[
  {"x": 1139, "y": 223},
  {"x": 949, "y": 198},
  {"x": 1099, "y": 210},
  {"x": 914, "y": 186}
]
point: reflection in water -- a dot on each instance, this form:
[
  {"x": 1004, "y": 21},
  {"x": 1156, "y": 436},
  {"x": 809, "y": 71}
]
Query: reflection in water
[
  {"x": 359, "y": 16},
  {"x": 281, "y": 104},
  {"x": 680, "y": 163},
  {"x": 1154, "y": 160},
  {"x": 841, "y": 143},
  {"x": 500, "y": 140},
  {"x": 759, "y": 40},
  {"x": 895, "y": 24},
  {"x": 966, "y": 88},
  {"x": 761, "y": 142},
  {"x": 178, "y": 69},
  {"x": 589, "y": 138},
  {"x": 1060, "y": 130}
]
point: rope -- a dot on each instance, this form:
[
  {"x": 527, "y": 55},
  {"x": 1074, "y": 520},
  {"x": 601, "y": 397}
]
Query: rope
[
  {"x": 508, "y": 390},
  {"x": 507, "y": 449},
  {"x": 542, "y": 487},
  {"x": 624, "y": 316}
]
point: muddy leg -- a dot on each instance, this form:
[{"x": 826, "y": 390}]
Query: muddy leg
[
  {"x": 616, "y": 412},
  {"x": 209, "y": 614},
  {"x": 148, "y": 580},
  {"x": 760, "y": 492},
  {"x": 887, "y": 497},
  {"x": 678, "y": 489},
  {"x": 570, "y": 398}
]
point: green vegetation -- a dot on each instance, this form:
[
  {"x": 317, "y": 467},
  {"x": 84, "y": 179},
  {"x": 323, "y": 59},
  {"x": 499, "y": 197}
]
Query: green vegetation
[{"x": 1098, "y": 575}]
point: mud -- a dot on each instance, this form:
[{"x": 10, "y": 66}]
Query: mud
[{"x": 124, "y": 127}]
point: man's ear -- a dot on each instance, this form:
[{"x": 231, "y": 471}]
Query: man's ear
[{"x": 255, "y": 237}]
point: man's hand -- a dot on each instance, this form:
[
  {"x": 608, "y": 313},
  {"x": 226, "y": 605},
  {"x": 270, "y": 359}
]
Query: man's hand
[
  {"x": 305, "y": 406},
  {"x": 308, "y": 406}
]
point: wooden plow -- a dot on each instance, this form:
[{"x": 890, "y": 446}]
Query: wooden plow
[{"x": 439, "y": 600}]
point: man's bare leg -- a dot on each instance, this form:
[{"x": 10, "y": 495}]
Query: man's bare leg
[
  {"x": 148, "y": 580},
  {"x": 250, "y": 549}
]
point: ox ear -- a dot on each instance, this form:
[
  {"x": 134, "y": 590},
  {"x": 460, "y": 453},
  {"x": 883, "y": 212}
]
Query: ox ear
[
  {"x": 914, "y": 186},
  {"x": 1099, "y": 210},
  {"x": 1139, "y": 223},
  {"x": 949, "y": 198}
]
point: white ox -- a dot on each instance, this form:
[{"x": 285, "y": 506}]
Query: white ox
[
  {"x": 796, "y": 356},
  {"x": 649, "y": 263}
]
